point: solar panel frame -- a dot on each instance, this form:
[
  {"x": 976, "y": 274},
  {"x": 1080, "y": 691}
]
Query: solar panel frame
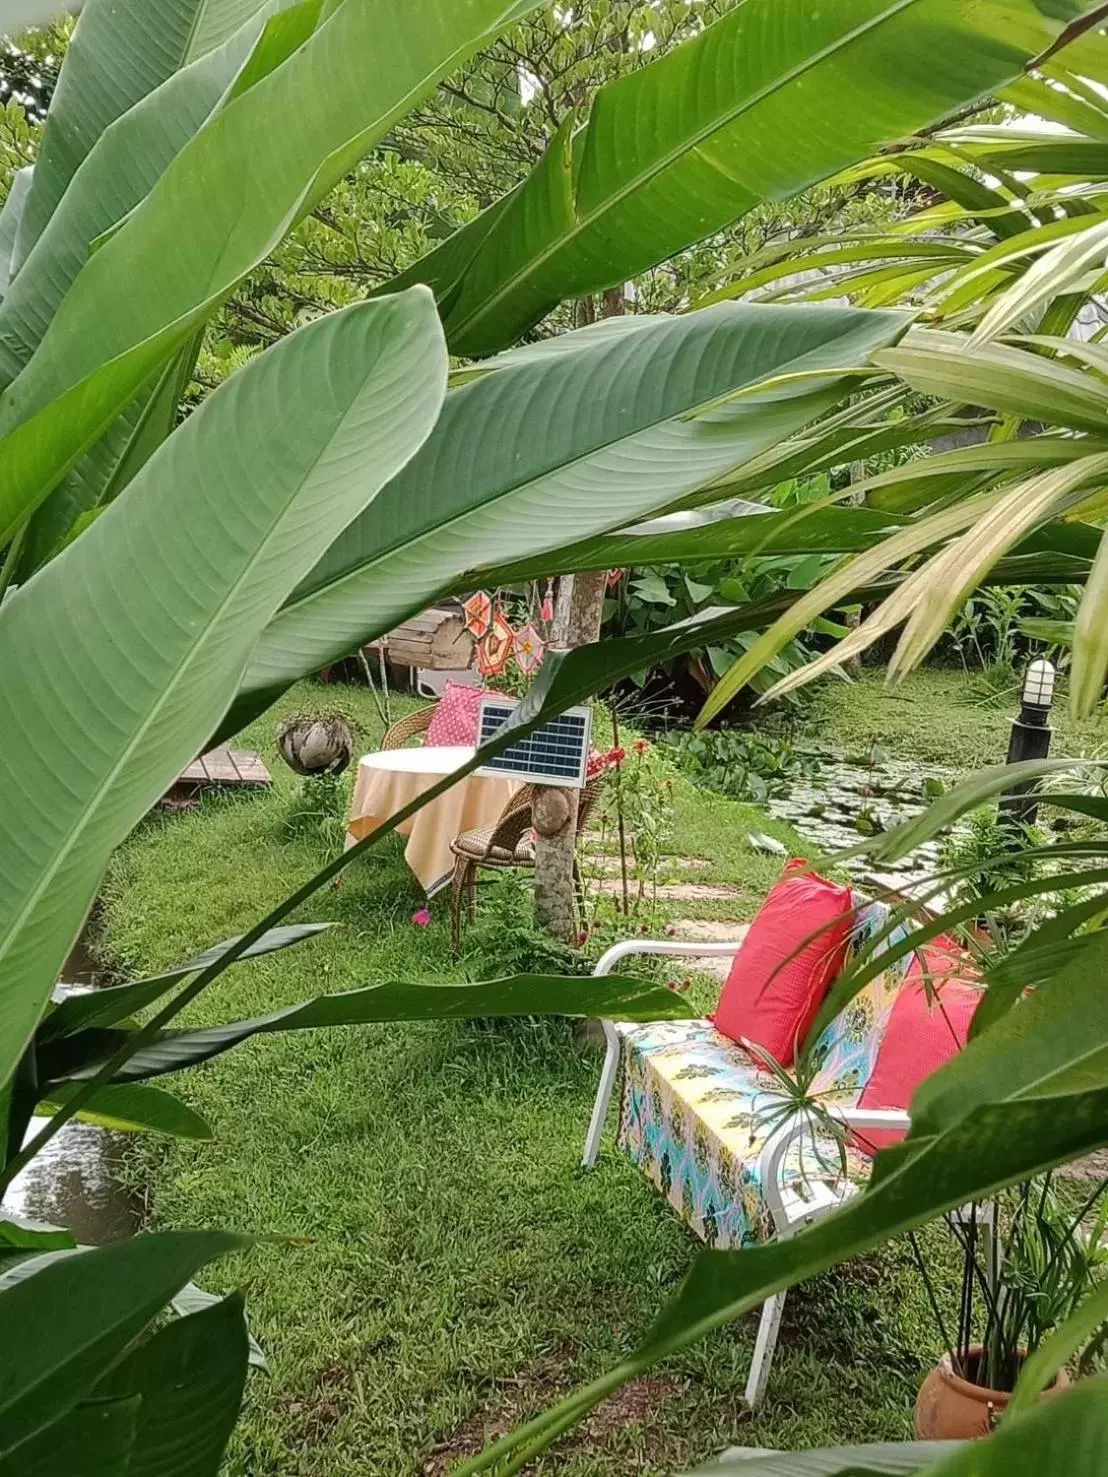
[{"x": 555, "y": 754}]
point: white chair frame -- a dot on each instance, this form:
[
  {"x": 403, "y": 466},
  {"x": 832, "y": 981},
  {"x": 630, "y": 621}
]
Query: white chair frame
[{"x": 789, "y": 1211}]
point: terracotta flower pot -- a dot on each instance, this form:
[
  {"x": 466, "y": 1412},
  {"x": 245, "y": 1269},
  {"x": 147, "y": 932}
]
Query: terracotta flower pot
[{"x": 950, "y": 1408}]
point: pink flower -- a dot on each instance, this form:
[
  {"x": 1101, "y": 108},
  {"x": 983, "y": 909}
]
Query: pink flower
[
  {"x": 421, "y": 917},
  {"x": 617, "y": 755},
  {"x": 583, "y": 936}
]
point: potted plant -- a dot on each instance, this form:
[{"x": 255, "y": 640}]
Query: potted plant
[{"x": 1027, "y": 1260}]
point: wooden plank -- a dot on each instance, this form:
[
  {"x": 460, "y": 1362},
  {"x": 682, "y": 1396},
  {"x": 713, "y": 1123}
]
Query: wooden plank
[{"x": 227, "y": 768}]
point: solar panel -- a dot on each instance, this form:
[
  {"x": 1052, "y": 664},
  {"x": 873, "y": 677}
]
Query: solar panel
[{"x": 555, "y": 754}]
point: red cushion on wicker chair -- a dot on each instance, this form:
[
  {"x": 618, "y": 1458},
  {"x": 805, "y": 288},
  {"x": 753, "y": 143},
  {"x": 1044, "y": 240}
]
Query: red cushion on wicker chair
[
  {"x": 928, "y": 1024},
  {"x": 597, "y": 763},
  {"x": 454, "y": 721},
  {"x": 771, "y": 999}
]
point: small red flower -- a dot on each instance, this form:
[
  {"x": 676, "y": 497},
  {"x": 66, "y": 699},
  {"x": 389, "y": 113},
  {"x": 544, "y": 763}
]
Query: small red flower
[
  {"x": 641, "y": 746},
  {"x": 583, "y": 936},
  {"x": 421, "y": 917},
  {"x": 617, "y": 755}
]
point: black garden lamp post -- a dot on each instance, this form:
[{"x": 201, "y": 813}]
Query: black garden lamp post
[{"x": 1030, "y": 739}]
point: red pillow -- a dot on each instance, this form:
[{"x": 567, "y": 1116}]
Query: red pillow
[
  {"x": 773, "y": 1003},
  {"x": 454, "y": 721},
  {"x": 928, "y": 1024}
]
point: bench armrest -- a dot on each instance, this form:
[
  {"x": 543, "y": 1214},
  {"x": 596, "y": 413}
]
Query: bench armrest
[
  {"x": 677, "y": 948},
  {"x": 896, "y": 1119},
  {"x": 777, "y": 1146}
]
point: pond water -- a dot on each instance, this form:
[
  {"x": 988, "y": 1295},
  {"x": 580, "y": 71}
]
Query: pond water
[
  {"x": 72, "y": 1183},
  {"x": 842, "y": 800}
]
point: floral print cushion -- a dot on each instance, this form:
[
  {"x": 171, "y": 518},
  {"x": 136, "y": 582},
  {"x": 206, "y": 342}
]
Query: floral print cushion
[
  {"x": 845, "y": 1054},
  {"x": 695, "y": 1116}
]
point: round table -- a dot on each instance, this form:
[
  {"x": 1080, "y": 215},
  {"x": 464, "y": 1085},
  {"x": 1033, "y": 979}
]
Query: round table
[{"x": 391, "y": 779}]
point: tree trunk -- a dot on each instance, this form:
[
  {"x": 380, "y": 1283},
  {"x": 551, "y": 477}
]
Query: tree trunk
[{"x": 578, "y": 607}]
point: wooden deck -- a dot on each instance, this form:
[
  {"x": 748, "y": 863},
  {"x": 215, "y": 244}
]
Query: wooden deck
[{"x": 227, "y": 768}]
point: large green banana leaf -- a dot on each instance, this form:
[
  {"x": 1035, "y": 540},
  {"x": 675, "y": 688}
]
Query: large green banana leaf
[
  {"x": 166, "y": 1410},
  {"x": 720, "y": 532},
  {"x": 117, "y": 1002},
  {"x": 120, "y": 51},
  {"x": 117, "y": 172},
  {"x": 771, "y": 98},
  {"x": 1067, "y": 1434},
  {"x": 159, "y": 603},
  {"x": 240, "y": 183},
  {"x": 616, "y": 997},
  {"x": 116, "y": 175},
  {"x": 132, "y": 1108},
  {"x": 190, "y": 1378},
  {"x": 64, "y": 1327},
  {"x": 565, "y": 445},
  {"x": 105, "y": 470},
  {"x": 10, "y": 214}
]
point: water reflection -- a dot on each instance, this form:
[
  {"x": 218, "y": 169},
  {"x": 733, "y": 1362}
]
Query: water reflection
[{"x": 72, "y": 1182}]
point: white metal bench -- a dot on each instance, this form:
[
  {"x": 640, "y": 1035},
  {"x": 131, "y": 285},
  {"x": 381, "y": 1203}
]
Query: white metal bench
[{"x": 693, "y": 1103}]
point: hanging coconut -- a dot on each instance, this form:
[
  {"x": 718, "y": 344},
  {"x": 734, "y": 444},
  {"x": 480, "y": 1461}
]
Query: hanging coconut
[{"x": 316, "y": 745}]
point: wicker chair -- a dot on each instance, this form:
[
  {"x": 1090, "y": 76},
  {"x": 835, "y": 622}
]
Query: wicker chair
[
  {"x": 507, "y": 844},
  {"x": 409, "y": 727}
]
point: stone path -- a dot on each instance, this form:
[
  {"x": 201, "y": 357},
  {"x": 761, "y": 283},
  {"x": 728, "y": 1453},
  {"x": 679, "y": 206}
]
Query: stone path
[
  {"x": 684, "y": 892},
  {"x": 712, "y": 930},
  {"x": 607, "y": 863}
]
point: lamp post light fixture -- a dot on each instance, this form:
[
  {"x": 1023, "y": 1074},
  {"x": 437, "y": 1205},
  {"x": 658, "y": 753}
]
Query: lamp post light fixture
[{"x": 1030, "y": 739}]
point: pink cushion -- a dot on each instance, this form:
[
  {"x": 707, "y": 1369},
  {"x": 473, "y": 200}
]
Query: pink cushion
[
  {"x": 767, "y": 1000},
  {"x": 597, "y": 763},
  {"x": 454, "y": 721},
  {"x": 928, "y": 1024}
]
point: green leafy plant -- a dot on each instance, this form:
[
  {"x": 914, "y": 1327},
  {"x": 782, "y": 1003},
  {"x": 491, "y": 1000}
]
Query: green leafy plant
[
  {"x": 1049, "y": 1255},
  {"x": 504, "y": 937},
  {"x": 741, "y": 763},
  {"x": 174, "y": 577},
  {"x": 636, "y": 823},
  {"x": 993, "y": 852},
  {"x": 317, "y": 807}
]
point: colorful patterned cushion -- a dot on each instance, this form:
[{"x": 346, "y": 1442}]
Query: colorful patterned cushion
[
  {"x": 844, "y": 1055},
  {"x": 928, "y": 1025},
  {"x": 695, "y": 1116},
  {"x": 454, "y": 721},
  {"x": 778, "y": 981}
]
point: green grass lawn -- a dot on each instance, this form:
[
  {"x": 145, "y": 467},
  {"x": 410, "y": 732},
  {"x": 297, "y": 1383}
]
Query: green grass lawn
[
  {"x": 939, "y": 716},
  {"x": 441, "y": 1268}
]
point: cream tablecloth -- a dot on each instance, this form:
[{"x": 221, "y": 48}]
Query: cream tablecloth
[{"x": 387, "y": 781}]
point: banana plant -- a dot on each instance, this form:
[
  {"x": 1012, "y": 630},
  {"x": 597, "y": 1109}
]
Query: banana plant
[
  {"x": 90, "y": 1382},
  {"x": 1028, "y": 243},
  {"x": 759, "y": 106},
  {"x": 967, "y": 508},
  {"x": 163, "y": 568}
]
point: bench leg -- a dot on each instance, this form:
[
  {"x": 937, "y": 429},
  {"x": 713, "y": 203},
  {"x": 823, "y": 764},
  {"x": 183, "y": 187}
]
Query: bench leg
[
  {"x": 603, "y": 1098},
  {"x": 764, "y": 1345}
]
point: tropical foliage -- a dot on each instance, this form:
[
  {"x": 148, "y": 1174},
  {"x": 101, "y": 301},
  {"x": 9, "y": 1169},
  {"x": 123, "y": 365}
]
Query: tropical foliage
[{"x": 159, "y": 575}]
